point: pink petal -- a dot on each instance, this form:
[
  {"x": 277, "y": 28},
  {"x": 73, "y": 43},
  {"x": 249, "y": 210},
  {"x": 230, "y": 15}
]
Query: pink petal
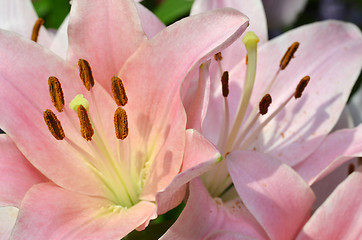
[
  {"x": 340, "y": 216},
  {"x": 24, "y": 96},
  {"x": 206, "y": 218},
  {"x": 329, "y": 52},
  {"x": 19, "y": 16},
  {"x": 105, "y": 33},
  {"x": 150, "y": 23},
  {"x": 50, "y": 212},
  {"x": 17, "y": 175},
  {"x": 254, "y": 10},
  {"x": 196, "y": 100},
  {"x": 281, "y": 13},
  {"x": 276, "y": 195},
  {"x": 166, "y": 113},
  {"x": 336, "y": 149},
  {"x": 236, "y": 53},
  {"x": 7, "y": 218},
  {"x": 199, "y": 157},
  {"x": 60, "y": 41}
]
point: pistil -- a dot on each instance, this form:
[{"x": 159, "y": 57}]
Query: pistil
[{"x": 250, "y": 40}]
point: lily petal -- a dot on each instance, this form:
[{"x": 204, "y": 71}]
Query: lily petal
[
  {"x": 221, "y": 27},
  {"x": 199, "y": 156},
  {"x": 118, "y": 34},
  {"x": 277, "y": 196},
  {"x": 336, "y": 149},
  {"x": 60, "y": 41},
  {"x": 340, "y": 216},
  {"x": 254, "y": 10},
  {"x": 7, "y": 218},
  {"x": 61, "y": 214},
  {"x": 151, "y": 24},
  {"x": 330, "y": 50},
  {"x": 207, "y": 218},
  {"x": 17, "y": 174}
]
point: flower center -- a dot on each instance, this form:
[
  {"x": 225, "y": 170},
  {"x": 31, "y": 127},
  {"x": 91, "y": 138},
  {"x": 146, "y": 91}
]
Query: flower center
[
  {"x": 121, "y": 182},
  {"x": 243, "y": 131}
]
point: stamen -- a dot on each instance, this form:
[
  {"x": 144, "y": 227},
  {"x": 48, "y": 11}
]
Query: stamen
[
  {"x": 56, "y": 93},
  {"x": 289, "y": 54},
  {"x": 264, "y": 104},
  {"x": 225, "y": 83},
  {"x": 85, "y": 73},
  {"x": 218, "y": 56},
  {"x": 54, "y": 125},
  {"x": 301, "y": 86},
  {"x": 85, "y": 124},
  {"x": 350, "y": 168},
  {"x": 36, "y": 28},
  {"x": 119, "y": 93},
  {"x": 121, "y": 123}
]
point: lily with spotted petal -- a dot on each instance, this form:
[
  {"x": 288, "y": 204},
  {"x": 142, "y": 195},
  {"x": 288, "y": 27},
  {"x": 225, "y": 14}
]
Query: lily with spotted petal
[
  {"x": 82, "y": 165},
  {"x": 275, "y": 100}
]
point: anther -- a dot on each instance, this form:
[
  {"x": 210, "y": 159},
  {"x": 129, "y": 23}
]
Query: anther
[
  {"x": 121, "y": 123},
  {"x": 301, "y": 86},
  {"x": 218, "y": 56},
  {"x": 225, "y": 83},
  {"x": 350, "y": 168},
  {"x": 56, "y": 93},
  {"x": 36, "y": 28},
  {"x": 85, "y": 73},
  {"x": 289, "y": 54},
  {"x": 264, "y": 104},
  {"x": 85, "y": 125},
  {"x": 119, "y": 93},
  {"x": 53, "y": 124}
]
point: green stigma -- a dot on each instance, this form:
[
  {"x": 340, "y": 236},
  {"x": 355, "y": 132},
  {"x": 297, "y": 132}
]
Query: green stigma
[{"x": 77, "y": 101}]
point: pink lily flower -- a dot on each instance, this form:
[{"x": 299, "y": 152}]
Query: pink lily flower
[
  {"x": 267, "y": 108},
  {"x": 100, "y": 180}
]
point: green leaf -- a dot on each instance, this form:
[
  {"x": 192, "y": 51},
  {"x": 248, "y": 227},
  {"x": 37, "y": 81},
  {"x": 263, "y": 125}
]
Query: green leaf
[
  {"x": 172, "y": 10},
  {"x": 52, "y": 11}
]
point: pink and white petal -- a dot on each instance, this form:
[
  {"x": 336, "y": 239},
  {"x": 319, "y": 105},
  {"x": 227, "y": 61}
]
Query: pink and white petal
[
  {"x": 51, "y": 212},
  {"x": 7, "y": 218},
  {"x": 199, "y": 157},
  {"x": 19, "y": 16},
  {"x": 281, "y": 13},
  {"x": 275, "y": 195},
  {"x": 24, "y": 96},
  {"x": 336, "y": 149},
  {"x": 60, "y": 41},
  {"x": 197, "y": 97},
  {"x": 151, "y": 24},
  {"x": 326, "y": 185},
  {"x": 329, "y": 53},
  {"x": 205, "y": 218},
  {"x": 340, "y": 216},
  {"x": 254, "y": 10},
  {"x": 17, "y": 174},
  {"x": 156, "y": 121},
  {"x": 105, "y": 33}
]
